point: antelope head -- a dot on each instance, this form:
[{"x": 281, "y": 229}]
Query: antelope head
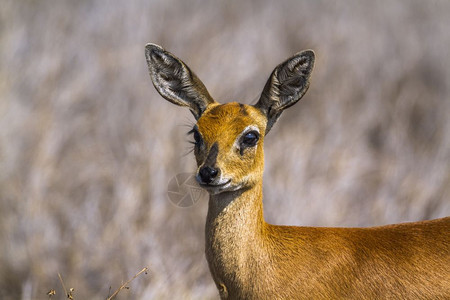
[{"x": 229, "y": 138}]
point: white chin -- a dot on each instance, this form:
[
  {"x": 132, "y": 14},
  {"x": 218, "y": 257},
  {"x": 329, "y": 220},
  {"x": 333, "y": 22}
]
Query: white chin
[{"x": 226, "y": 188}]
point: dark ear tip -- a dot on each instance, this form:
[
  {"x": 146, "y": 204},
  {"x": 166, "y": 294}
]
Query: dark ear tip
[
  {"x": 306, "y": 58},
  {"x": 309, "y": 54},
  {"x": 152, "y": 48}
]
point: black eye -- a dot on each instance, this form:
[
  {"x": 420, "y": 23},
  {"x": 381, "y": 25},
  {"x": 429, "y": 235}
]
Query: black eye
[
  {"x": 250, "y": 139},
  {"x": 197, "y": 137}
]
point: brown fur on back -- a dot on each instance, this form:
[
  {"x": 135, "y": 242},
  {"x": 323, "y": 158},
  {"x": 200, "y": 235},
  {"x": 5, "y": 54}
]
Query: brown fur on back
[{"x": 251, "y": 259}]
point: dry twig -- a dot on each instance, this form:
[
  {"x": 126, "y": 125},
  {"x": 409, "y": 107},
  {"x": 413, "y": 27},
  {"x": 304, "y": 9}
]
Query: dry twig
[
  {"x": 62, "y": 283},
  {"x": 68, "y": 294},
  {"x": 123, "y": 286}
]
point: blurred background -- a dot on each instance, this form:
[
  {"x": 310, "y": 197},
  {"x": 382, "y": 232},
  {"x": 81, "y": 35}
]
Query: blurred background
[{"x": 87, "y": 146}]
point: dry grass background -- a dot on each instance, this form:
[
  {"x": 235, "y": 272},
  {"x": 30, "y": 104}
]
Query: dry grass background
[{"x": 87, "y": 146}]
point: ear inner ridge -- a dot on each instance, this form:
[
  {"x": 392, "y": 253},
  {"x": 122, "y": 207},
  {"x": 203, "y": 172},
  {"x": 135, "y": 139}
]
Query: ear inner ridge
[
  {"x": 286, "y": 85},
  {"x": 175, "y": 82}
]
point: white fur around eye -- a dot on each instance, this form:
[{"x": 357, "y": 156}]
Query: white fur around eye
[{"x": 246, "y": 130}]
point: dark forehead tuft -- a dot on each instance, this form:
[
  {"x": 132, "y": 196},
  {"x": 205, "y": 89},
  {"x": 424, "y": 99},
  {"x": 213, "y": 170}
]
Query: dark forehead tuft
[
  {"x": 242, "y": 109},
  {"x": 229, "y": 108}
]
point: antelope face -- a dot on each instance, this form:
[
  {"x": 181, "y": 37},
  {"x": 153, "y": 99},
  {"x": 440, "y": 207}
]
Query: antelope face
[
  {"x": 229, "y": 147},
  {"x": 229, "y": 137}
]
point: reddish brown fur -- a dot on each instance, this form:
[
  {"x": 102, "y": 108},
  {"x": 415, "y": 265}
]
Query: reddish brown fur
[
  {"x": 251, "y": 259},
  {"x": 222, "y": 124}
]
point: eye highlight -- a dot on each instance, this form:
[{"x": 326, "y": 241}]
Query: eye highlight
[{"x": 250, "y": 139}]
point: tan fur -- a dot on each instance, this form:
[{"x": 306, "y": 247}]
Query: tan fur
[
  {"x": 222, "y": 124},
  {"x": 251, "y": 259}
]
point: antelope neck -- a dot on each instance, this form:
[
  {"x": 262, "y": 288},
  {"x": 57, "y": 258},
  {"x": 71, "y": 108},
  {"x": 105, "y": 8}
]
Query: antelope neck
[
  {"x": 240, "y": 210},
  {"x": 235, "y": 233}
]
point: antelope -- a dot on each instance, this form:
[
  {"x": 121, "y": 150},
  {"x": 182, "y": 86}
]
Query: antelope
[{"x": 251, "y": 259}]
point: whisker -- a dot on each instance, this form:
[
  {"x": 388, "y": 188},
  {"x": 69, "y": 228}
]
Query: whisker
[{"x": 189, "y": 151}]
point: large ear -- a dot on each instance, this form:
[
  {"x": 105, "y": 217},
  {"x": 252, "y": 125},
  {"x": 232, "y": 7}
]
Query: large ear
[
  {"x": 175, "y": 81},
  {"x": 286, "y": 85}
]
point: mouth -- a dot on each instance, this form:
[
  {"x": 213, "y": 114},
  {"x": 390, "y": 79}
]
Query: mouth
[
  {"x": 215, "y": 189},
  {"x": 214, "y": 186}
]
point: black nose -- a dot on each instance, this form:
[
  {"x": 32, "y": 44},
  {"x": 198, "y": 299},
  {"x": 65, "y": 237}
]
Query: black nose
[{"x": 207, "y": 174}]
